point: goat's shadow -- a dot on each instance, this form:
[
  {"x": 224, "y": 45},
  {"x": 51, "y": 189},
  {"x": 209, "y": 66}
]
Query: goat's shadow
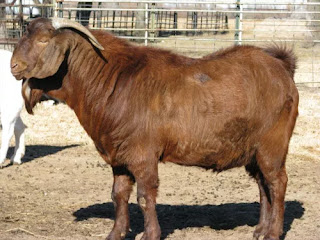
[
  {"x": 172, "y": 217},
  {"x": 37, "y": 151}
]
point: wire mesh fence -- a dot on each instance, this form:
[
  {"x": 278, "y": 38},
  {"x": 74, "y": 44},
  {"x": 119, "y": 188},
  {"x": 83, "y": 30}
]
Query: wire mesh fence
[{"x": 191, "y": 27}]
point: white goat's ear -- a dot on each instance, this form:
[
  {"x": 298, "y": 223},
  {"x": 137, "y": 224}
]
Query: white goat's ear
[{"x": 50, "y": 58}]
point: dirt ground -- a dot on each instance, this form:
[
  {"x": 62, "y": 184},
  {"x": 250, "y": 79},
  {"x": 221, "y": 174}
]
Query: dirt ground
[{"x": 62, "y": 189}]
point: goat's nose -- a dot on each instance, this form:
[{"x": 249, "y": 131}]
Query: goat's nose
[
  {"x": 17, "y": 69},
  {"x": 14, "y": 65}
]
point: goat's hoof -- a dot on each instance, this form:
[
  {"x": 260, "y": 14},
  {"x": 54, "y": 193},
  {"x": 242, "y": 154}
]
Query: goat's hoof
[
  {"x": 146, "y": 237},
  {"x": 2, "y": 165},
  {"x": 270, "y": 238},
  {"x": 16, "y": 162},
  {"x": 260, "y": 231},
  {"x": 257, "y": 235},
  {"x": 114, "y": 236}
]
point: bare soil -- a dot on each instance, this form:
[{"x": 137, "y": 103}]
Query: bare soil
[{"x": 62, "y": 189}]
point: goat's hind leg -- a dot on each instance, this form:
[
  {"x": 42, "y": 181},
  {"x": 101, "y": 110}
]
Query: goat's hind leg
[
  {"x": 122, "y": 188},
  {"x": 270, "y": 157},
  {"x": 272, "y": 207},
  {"x": 265, "y": 207},
  {"x": 19, "y": 149}
]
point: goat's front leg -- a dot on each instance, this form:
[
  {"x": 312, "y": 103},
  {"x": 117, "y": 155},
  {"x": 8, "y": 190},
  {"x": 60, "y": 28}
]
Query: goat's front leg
[
  {"x": 19, "y": 149},
  {"x": 146, "y": 175},
  {"x": 122, "y": 188},
  {"x": 7, "y": 132}
]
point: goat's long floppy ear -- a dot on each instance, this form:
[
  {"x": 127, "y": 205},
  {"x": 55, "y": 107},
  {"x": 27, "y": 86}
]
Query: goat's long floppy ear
[{"x": 50, "y": 59}]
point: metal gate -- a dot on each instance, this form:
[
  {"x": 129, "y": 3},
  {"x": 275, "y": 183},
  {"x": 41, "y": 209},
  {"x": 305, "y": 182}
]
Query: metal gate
[{"x": 191, "y": 27}]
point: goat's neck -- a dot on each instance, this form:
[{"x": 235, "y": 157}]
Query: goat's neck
[{"x": 85, "y": 85}]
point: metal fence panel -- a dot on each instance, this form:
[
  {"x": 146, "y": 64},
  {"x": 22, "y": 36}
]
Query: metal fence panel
[
  {"x": 191, "y": 27},
  {"x": 15, "y": 15}
]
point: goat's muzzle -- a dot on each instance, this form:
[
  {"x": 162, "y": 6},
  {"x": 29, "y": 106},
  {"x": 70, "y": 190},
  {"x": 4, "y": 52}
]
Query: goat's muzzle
[{"x": 17, "y": 69}]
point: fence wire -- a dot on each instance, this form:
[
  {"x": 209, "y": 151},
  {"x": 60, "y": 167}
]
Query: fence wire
[{"x": 191, "y": 27}]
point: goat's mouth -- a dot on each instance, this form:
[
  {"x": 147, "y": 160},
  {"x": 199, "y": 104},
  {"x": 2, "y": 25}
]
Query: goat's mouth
[{"x": 19, "y": 75}]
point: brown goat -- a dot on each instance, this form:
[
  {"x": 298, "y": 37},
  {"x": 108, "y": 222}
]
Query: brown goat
[{"x": 140, "y": 105}]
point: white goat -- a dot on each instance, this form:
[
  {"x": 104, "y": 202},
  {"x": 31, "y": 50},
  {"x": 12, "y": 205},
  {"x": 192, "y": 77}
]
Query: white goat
[{"x": 11, "y": 104}]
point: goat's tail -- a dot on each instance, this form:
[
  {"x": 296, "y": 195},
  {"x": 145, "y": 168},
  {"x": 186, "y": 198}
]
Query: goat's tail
[{"x": 285, "y": 55}]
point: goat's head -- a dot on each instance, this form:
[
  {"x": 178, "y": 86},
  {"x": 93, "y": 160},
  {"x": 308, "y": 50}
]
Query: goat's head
[{"x": 41, "y": 51}]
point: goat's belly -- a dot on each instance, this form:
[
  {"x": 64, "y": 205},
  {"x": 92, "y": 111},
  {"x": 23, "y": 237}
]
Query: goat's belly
[
  {"x": 231, "y": 143},
  {"x": 220, "y": 159}
]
